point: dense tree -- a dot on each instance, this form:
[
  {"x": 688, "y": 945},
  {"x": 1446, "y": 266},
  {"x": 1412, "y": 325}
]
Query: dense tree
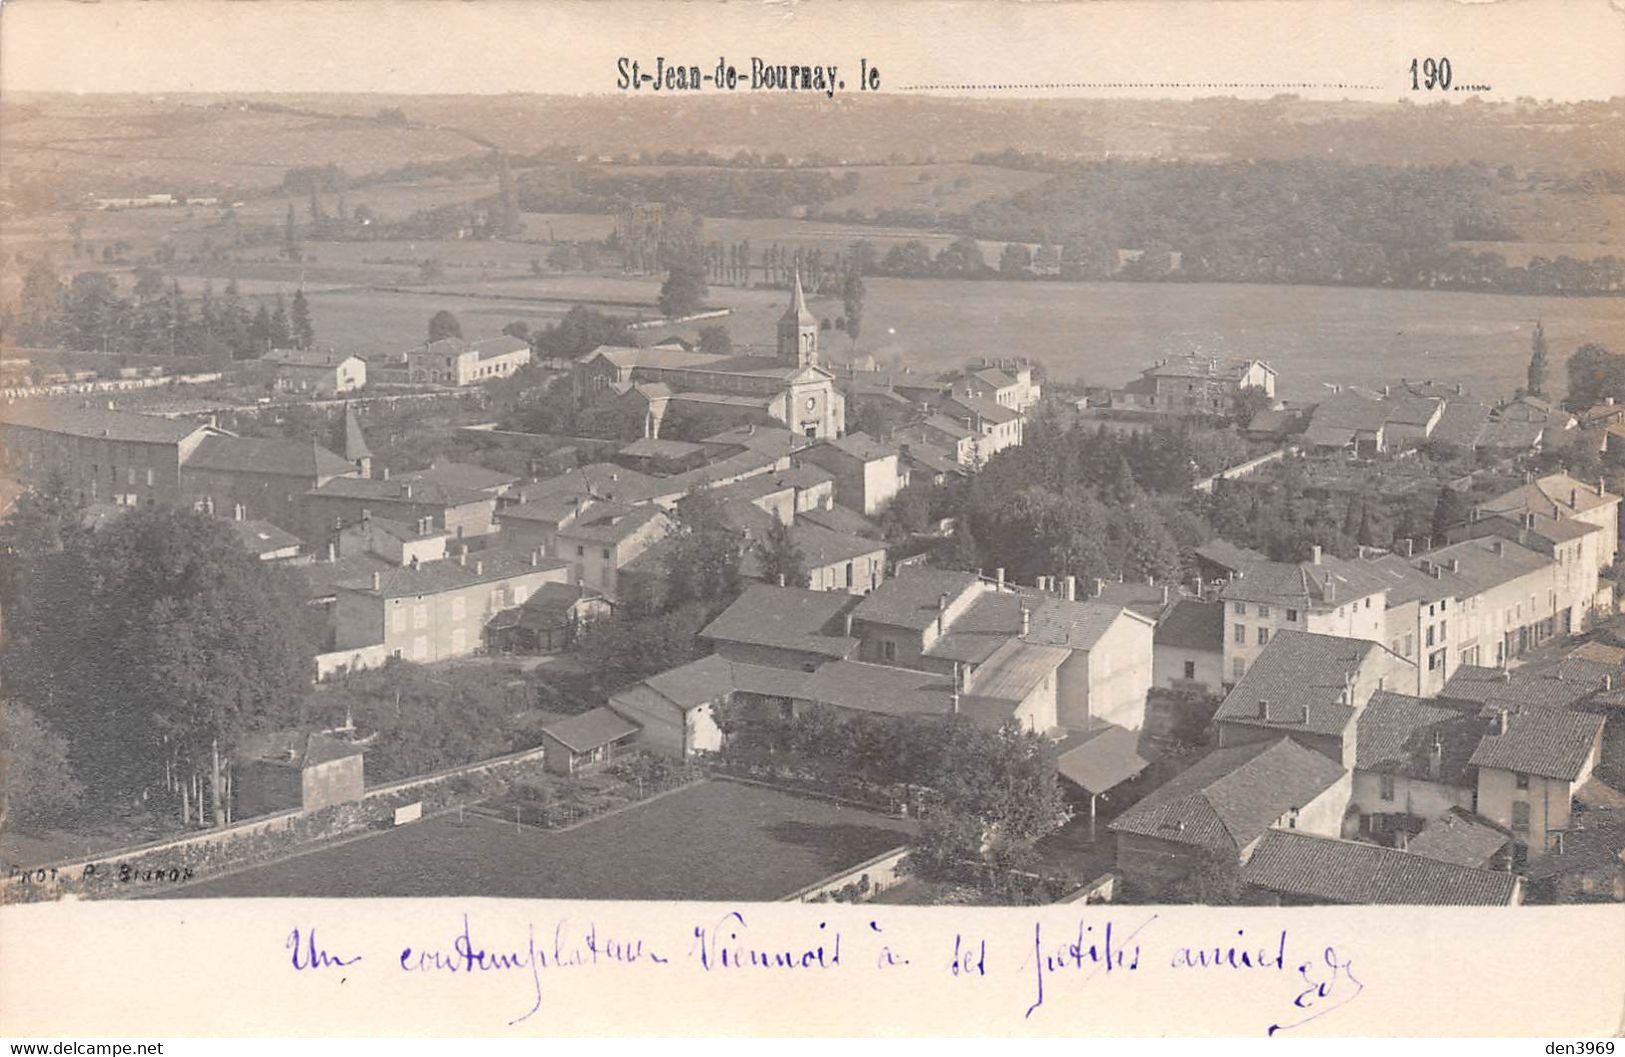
[
  {"x": 300, "y": 326},
  {"x": 422, "y": 720},
  {"x": 1537, "y": 362},
  {"x": 580, "y": 331},
  {"x": 630, "y": 646},
  {"x": 716, "y": 339},
  {"x": 1451, "y": 509},
  {"x": 1594, "y": 375},
  {"x": 683, "y": 292},
  {"x": 196, "y": 645},
  {"x": 1016, "y": 260},
  {"x": 444, "y": 325},
  {"x": 852, "y": 296},
  {"x": 781, "y": 559},
  {"x": 702, "y": 564},
  {"x": 37, "y": 786}
]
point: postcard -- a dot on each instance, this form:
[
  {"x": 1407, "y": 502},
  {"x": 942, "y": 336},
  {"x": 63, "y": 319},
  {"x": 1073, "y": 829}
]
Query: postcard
[{"x": 903, "y": 518}]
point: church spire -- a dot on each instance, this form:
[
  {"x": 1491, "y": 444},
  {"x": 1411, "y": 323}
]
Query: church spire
[{"x": 798, "y": 328}]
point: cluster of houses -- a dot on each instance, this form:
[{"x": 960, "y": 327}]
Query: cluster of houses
[{"x": 450, "y": 361}]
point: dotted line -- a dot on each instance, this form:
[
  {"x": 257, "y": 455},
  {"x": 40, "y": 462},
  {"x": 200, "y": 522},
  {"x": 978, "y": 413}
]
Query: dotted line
[
  {"x": 1141, "y": 84},
  {"x": 1471, "y": 88}
]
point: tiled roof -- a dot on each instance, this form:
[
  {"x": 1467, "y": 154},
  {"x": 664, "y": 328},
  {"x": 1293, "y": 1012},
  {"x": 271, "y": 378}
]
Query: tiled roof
[
  {"x": 1329, "y": 583},
  {"x": 821, "y": 547},
  {"x": 1342, "y": 871},
  {"x": 97, "y": 423},
  {"x": 1458, "y": 836},
  {"x": 1501, "y": 688},
  {"x": 840, "y": 519},
  {"x": 1396, "y": 734},
  {"x": 1487, "y": 562},
  {"x": 982, "y": 408},
  {"x": 1102, "y": 759},
  {"x": 1151, "y": 601},
  {"x": 880, "y": 689},
  {"x": 1229, "y": 797},
  {"x": 859, "y": 446},
  {"x": 652, "y": 447},
  {"x": 610, "y": 523},
  {"x": 710, "y": 678},
  {"x": 910, "y": 600},
  {"x": 1550, "y": 742},
  {"x": 450, "y": 574},
  {"x": 1407, "y": 583},
  {"x": 292, "y": 458},
  {"x": 1015, "y": 670},
  {"x": 1193, "y": 625},
  {"x": 1299, "y": 681},
  {"x": 1595, "y": 840},
  {"x": 1224, "y": 553},
  {"x": 262, "y": 537},
  {"x": 590, "y": 730},
  {"x": 462, "y": 475},
  {"x": 1556, "y": 495},
  {"x": 994, "y": 617},
  {"x": 375, "y": 489},
  {"x": 601, "y": 480},
  {"x": 1349, "y": 411},
  {"x": 791, "y": 618},
  {"x": 308, "y": 357},
  {"x": 933, "y": 459}
]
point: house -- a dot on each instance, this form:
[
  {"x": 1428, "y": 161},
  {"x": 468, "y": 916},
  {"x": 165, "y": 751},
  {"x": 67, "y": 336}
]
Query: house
[
  {"x": 866, "y": 472},
  {"x": 1423, "y": 598},
  {"x": 1411, "y": 762},
  {"x": 1560, "y": 497},
  {"x": 317, "y": 372},
  {"x": 1099, "y": 761},
  {"x": 1219, "y": 559},
  {"x": 295, "y": 770},
  {"x": 939, "y": 433},
  {"x": 1300, "y": 869},
  {"x": 1458, "y": 836},
  {"x": 453, "y": 361},
  {"x": 102, "y": 455},
  {"x": 993, "y": 426},
  {"x": 1529, "y": 767},
  {"x": 784, "y": 627},
  {"x": 586, "y": 742},
  {"x": 1008, "y": 383},
  {"x": 460, "y": 512},
  {"x": 392, "y": 541},
  {"x": 1224, "y": 804},
  {"x": 676, "y": 710},
  {"x": 1187, "y": 649},
  {"x": 1518, "y": 598},
  {"x": 1194, "y": 385},
  {"x": 1587, "y": 861},
  {"x": 1325, "y": 595},
  {"x": 603, "y": 538},
  {"x": 655, "y": 456},
  {"x": 925, "y": 462},
  {"x": 434, "y": 611},
  {"x": 269, "y": 478},
  {"x": 1348, "y": 422},
  {"x": 548, "y": 621},
  {"x": 1311, "y": 688},
  {"x": 1019, "y": 697},
  {"x": 790, "y": 388}
]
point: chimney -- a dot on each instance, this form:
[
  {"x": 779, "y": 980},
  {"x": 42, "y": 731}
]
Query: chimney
[
  {"x": 462, "y": 556},
  {"x": 386, "y": 472},
  {"x": 998, "y": 574},
  {"x": 479, "y": 568},
  {"x": 377, "y": 580},
  {"x": 953, "y": 701},
  {"x": 1026, "y": 620},
  {"x": 1164, "y": 594},
  {"x": 1263, "y": 708},
  {"x": 1402, "y": 840},
  {"x": 332, "y": 551},
  {"x": 846, "y": 624},
  {"x": 1608, "y": 681},
  {"x": 1406, "y": 547},
  {"x": 1455, "y": 565},
  {"x": 781, "y": 579},
  {"x": 1600, "y": 491},
  {"x": 1314, "y": 554},
  {"x": 1501, "y": 721},
  {"x": 1071, "y": 587},
  {"x": 1436, "y": 758},
  {"x": 1496, "y": 547},
  {"x": 1100, "y": 588},
  {"x": 535, "y": 557},
  {"x": 1574, "y": 497},
  {"x": 1331, "y": 588},
  {"x": 406, "y": 489}
]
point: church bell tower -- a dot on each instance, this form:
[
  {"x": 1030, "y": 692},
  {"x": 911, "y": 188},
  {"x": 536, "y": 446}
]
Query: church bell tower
[{"x": 798, "y": 330}]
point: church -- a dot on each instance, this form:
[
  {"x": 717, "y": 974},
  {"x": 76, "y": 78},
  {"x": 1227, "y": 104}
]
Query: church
[{"x": 789, "y": 389}]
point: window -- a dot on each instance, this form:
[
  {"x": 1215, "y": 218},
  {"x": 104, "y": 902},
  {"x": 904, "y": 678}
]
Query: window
[
  {"x": 420, "y": 616},
  {"x": 1264, "y": 611},
  {"x": 1292, "y": 616},
  {"x": 1520, "y": 779},
  {"x": 1520, "y": 814},
  {"x": 888, "y": 650},
  {"x": 1410, "y": 644},
  {"x": 399, "y": 618},
  {"x": 1430, "y": 635},
  {"x": 1241, "y": 634},
  {"x": 1239, "y": 608},
  {"x": 581, "y": 552},
  {"x": 1387, "y": 783},
  {"x": 1368, "y": 603},
  {"x": 1436, "y": 661},
  {"x": 1263, "y": 636},
  {"x": 1442, "y": 625},
  {"x": 1190, "y": 669},
  {"x": 606, "y": 554},
  {"x": 1238, "y": 668},
  {"x": 458, "y": 609}
]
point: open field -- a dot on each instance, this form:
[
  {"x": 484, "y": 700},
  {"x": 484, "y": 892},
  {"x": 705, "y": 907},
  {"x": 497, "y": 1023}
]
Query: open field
[
  {"x": 715, "y": 840},
  {"x": 1103, "y": 333}
]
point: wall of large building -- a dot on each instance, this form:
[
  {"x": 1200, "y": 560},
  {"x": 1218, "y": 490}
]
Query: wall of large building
[
  {"x": 1169, "y": 668},
  {"x": 1411, "y": 796}
]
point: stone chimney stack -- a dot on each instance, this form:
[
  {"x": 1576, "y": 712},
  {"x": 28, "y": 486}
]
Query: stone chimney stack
[
  {"x": 1436, "y": 758},
  {"x": 1407, "y": 547},
  {"x": 1071, "y": 587},
  {"x": 998, "y": 575},
  {"x": 377, "y": 580},
  {"x": 1026, "y": 620},
  {"x": 385, "y": 472},
  {"x": 479, "y": 568},
  {"x": 1501, "y": 719},
  {"x": 1315, "y": 554}
]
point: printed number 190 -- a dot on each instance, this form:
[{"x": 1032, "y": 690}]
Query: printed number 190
[{"x": 1430, "y": 74}]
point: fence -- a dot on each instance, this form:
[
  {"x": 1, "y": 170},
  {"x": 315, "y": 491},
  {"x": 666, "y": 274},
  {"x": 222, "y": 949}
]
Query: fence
[
  {"x": 1241, "y": 469},
  {"x": 858, "y": 884}
]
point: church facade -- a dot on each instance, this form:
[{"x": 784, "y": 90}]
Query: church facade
[{"x": 789, "y": 389}]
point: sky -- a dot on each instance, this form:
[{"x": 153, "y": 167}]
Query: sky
[{"x": 1341, "y": 49}]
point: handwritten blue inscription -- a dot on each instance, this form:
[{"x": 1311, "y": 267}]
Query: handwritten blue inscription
[{"x": 1058, "y": 962}]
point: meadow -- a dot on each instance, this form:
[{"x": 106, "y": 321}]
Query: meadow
[{"x": 714, "y": 840}]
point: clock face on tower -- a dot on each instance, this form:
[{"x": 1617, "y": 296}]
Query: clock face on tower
[{"x": 812, "y": 402}]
